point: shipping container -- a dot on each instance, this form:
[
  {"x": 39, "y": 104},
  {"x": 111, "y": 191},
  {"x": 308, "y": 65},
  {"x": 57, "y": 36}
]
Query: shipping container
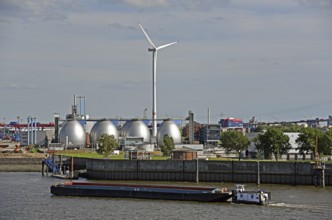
[{"x": 231, "y": 123}]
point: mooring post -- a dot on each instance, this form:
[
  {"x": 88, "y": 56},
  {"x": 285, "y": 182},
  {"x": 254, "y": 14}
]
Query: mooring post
[
  {"x": 323, "y": 174},
  {"x": 60, "y": 158},
  {"x": 197, "y": 170},
  {"x": 42, "y": 168},
  {"x": 232, "y": 164},
  {"x": 258, "y": 174},
  {"x": 53, "y": 162},
  {"x": 72, "y": 167},
  {"x": 137, "y": 169},
  {"x": 295, "y": 177},
  {"x": 46, "y": 170}
]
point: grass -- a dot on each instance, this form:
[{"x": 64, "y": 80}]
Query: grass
[
  {"x": 95, "y": 155},
  {"x": 159, "y": 158},
  {"x": 88, "y": 154}
]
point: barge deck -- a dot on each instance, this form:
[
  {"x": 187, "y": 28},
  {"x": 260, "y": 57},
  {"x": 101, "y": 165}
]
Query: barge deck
[{"x": 200, "y": 194}]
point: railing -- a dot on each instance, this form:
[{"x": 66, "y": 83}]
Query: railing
[{"x": 53, "y": 166}]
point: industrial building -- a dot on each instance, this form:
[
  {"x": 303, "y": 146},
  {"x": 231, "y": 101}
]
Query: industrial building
[
  {"x": 41, "y": 137},
  {"x": 196, "y": 132},
  {"x": 184, "y": 153},
  {"x": 210, "y": 135},
  {"x": 74, "y": 132},
  {"x": 293, "y": 153},
  {"x": 78, "y": 130},
  {"x": 32, "y": 132}
]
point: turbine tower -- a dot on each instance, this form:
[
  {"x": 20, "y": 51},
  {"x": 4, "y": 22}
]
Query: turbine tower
[{"x": 154, "y": 51}]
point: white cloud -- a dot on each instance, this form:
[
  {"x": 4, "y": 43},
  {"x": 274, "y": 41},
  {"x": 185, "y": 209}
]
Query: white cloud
[
  {"x": 44, "y": 9},
  {"x": 14, "y": 86},
  {"x": 265, "y": 3},
  {"x": 323, "y": 4},
  {"x": 147, "y": 3}
]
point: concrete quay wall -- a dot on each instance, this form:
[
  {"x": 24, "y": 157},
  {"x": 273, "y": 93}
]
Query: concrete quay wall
[
  {"x": 292, "y": 173},
  {"x": 20, "y": 164}
]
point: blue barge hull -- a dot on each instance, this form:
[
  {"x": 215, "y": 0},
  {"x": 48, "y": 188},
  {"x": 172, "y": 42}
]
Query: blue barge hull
[{"x": 200, "y": 194}]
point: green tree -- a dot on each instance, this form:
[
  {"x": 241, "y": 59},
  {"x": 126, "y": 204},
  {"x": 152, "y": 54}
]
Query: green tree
[
  {"x": 106, "y": 144},
  {"x": 286, "y": 127},
  {"x": 325, "y": 144},
  {"x": 289, "y": 127},
  {"x": 167, "y": 146},
  {"x": 273, "y": 141},
  {"x": 306, "y": 140},
  {"x": 260, "y": 128},
  {"x": 234, "y": 141}
]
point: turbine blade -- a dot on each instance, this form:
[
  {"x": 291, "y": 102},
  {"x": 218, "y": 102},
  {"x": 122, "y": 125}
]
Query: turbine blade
[
  {"x": 165, "y": 45},
  {"x": 147, "y": 37}
]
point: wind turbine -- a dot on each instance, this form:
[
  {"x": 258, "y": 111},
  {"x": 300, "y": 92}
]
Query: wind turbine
[{"x": 154, "y": 51}]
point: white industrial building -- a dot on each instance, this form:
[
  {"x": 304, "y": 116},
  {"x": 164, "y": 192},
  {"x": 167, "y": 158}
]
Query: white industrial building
[{"x": 293, "y": 153}]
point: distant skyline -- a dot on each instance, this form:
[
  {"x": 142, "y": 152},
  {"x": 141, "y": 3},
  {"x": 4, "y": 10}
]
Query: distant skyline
[{"x": 263, "y": 58}]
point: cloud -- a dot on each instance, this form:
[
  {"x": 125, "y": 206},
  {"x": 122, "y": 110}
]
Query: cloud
[
  {"x": 45, "y": 9},
  {"x": 193, "y": 5},
  {"x": 120, "y": 26},
  {"x": 216, "y": 19},
  {"x": 323, "y": 4},
  {"x": 4, "y": 21},
  {"x": 269, "y": 48},
  {"x": 13, "y": 86},
  {"x": 147, "y": 3},
  {"x": 126, "y": 85},
  {"x": 204, "y": 5},
  {"x": 49, "y": 10}
]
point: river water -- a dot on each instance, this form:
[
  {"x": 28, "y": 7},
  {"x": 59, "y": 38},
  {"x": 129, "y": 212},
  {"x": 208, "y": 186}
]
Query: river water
[{"x": 27, "y": 196}]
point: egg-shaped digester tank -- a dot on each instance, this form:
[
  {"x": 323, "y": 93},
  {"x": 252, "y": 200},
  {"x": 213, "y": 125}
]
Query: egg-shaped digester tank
[
  {"x": 136, "y": 128},
  {"x": 168, "y": 127},
  {"x": 75, "y": 133},
  {"x": 124, "y": 128},
  {"x": 103, "y": 127}
]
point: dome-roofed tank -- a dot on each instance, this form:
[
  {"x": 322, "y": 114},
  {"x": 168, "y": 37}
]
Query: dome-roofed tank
[
  {"x": 124, "y": 128},
  {"x": 75, "y": 132},
  {"x": 136, "y": 128},
  {"x": 168, "y": 127},
  {"x": 103, "y": 127}
]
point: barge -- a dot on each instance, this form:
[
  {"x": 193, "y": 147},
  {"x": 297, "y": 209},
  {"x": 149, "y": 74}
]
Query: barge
[{"x": 164, "y": 192}]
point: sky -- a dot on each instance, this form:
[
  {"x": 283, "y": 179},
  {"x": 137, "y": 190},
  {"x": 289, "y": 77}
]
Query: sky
[{"x": 239, "y": 58}]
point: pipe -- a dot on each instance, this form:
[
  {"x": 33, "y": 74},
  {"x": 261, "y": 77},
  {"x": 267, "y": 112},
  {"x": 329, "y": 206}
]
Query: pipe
[
  {"x": 4, "y": 127},
  {"x": 84, "y": 107},
  {"x": 35, "y": 131},
  {"x": 56, "y": 132},
  {"x": 66, "y": 142},
  {"x": 32, "y": 129},
  {"x": 80, "y": 105},
  {"x": 28, "y": 130}
]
